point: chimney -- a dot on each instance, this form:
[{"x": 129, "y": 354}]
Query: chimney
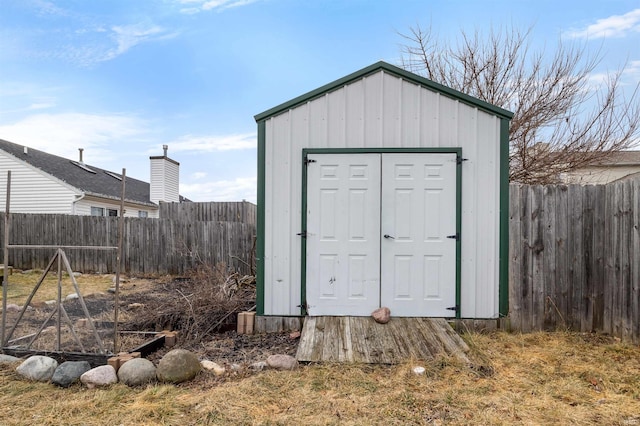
[
  {"x": 80, "y": 151},
  {"x": 165, "y": 178},
  {"x": 25, "y": 150}
]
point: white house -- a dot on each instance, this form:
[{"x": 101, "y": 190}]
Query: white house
[
  {"x": 383, "y": 188},
  {"x": 46, "y": 183}
]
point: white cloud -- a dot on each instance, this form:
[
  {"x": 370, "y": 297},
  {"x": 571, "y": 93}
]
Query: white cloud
[
  {"x": 214, "y": 143},
  {"x": 198, "y": 175},
  {"x": 196, "y": 6},
  {"x": 128, "y": 36},
  {"x": 62, "y": 134},
  {"x": 238, "y": 189},
  {"x": 613, "y": 26}
]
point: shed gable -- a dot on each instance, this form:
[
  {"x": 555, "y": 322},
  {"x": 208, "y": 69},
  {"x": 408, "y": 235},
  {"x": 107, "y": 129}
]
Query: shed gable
[{"x": 381, "y": 108}]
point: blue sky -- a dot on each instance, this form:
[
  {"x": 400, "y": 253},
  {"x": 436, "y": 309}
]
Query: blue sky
[{"x": 120, "y": 78}]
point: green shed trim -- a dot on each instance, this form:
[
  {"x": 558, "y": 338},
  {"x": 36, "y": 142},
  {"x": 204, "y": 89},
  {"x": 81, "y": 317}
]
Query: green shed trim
[
  {"x": 260, "y": 225},
  {"x": 391, "y": 69},
  {"x": 503, "y": 262}
]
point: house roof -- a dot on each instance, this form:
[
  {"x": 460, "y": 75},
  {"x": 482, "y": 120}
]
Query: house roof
[
  {"x": 620, "y": 158},
  {"x": 391, "y": 69},
  {"x": 88, "y": 179}
]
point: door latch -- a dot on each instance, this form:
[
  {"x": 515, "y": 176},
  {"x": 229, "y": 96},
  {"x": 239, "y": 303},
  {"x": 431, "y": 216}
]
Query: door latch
[
  {"x": 302, "y": 234},
  {"x": 389, "y": 237},
  {"x": 455, "y": 236}
]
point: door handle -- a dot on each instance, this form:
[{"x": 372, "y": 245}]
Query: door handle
[{"x": 387, "y": 236}]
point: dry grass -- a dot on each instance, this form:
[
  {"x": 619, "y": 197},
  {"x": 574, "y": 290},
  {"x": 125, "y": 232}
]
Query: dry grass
[
  {"x": 22, "y": 283},
  {"x": 541, "y": 378}
]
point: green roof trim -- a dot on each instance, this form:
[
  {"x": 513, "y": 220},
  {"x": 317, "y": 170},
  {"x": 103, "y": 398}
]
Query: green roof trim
[{"x": 391, "y": 69}]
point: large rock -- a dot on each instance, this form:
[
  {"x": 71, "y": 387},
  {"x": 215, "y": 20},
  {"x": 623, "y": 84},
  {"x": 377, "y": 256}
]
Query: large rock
[
  {"x": 282, "y": 362},
  {"x": 8, "y": 359},
  {"x": 39, "y": 368},
  {"x": 177, "y": 366},
  {"x": 103, "y": 375},
  {"x": 136, "y": 372},
  {"x": 381, "y": 315},
  {"x": 69, "y": 372}
]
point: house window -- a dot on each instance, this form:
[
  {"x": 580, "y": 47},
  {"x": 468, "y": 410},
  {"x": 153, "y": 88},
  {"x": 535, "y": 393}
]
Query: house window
[
  {"x": 143, "y": 213},
  {"x": 97, "y": 211},
  {"x": 113, "y": 212}
]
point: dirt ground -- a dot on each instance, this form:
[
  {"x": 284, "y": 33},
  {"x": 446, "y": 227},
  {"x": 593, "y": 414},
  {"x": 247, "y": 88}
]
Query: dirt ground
[{"x": 151, "y": 305}]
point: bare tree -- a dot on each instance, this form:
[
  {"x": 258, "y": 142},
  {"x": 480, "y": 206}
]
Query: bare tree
[{"x": 562, "y": 120}]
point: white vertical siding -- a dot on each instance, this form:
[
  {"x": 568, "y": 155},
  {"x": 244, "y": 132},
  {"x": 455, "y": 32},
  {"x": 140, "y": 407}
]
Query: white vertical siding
[
  {"x": 383, "y": 110},
  {"x": 83, "y": 208},
  {"x": 32, "y": 190},
  {"x": 164, "y": 180}
]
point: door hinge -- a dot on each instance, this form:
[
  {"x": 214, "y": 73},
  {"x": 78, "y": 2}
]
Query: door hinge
[
  {"x": 302, "y": 234},
  {"x": 459, "y": 160},
  {"x": 308, "y": 160},
  {"x": 455, "y": 236},
  {"x": 454, "y": 308}
]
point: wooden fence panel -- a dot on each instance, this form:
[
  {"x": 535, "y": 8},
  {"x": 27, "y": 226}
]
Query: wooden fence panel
[
  {"x": 241, "y": 211},
  {"x": 150, "y": 246},
  {"x": 575, "y": 258}
]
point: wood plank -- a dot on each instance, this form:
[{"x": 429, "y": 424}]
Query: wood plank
[
  {"x": 576, "y": 256},
  {"x": 330, "y": 346},
  {"x": 550, "y": 318},
  {"x": 453, "y": 335},
  {"x": 515, "y": 255},
  {"x": 359, "y": 342},
  {"x": 439, "y": 325},
  {"x": 559, "y": 300},
  {"x": 345, "y": 347},
  {"x": 318, "y": 340},
  {"x": 305, "y": 345},
  {"x": 436, "y": 347}
]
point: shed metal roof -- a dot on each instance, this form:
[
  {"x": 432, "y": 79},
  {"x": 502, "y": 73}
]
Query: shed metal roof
[
  {"x": 102, "y": 183},
  {"x": 391, "y": 69}
]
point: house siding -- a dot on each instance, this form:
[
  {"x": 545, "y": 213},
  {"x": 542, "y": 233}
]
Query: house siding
[
  {"x": 383, "y": 110},
  {"x": 33, "y": 191},
  {"x": 83, "y": 207}
]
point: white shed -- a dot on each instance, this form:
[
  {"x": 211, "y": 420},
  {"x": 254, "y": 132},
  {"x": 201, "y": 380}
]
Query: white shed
[{"x": 383, "y": 188}]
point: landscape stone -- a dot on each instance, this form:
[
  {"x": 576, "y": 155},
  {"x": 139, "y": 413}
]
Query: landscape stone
[
  {"x": 103, "y": 375},
  {"x": 282, "y": 362},
  {"x": 136, "y": 372},
  {"x": 213, "y": 366},
  {"x": 69, "y": 372},
  {"x": 381, "y": 315},
  {"x": 12, "y": 307},
  {"x": 258, "y": 366},
  {"x": 177, "y": 366},
  {"x": 39, "y": 368},
  {"x": 8, "y": 359},
  {"x": 72, "y": 296}
]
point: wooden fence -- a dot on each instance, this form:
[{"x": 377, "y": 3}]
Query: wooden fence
[
  {"x": 241, "y": 211},
  {"x": 150, "y": 246},
  {"x": 575, "y": 258}
]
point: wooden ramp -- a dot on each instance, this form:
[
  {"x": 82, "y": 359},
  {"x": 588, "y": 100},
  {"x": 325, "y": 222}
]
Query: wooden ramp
[{"x": 362, "y": 340}]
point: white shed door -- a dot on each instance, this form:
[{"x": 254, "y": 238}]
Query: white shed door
[
  {"x": 418, "y": 261},
  {"x": 377, "y": 227},
  {"x": 343, "y": 234}
]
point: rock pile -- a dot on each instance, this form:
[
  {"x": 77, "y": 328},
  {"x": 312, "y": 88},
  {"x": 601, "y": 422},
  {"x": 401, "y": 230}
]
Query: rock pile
[{"x": 177, "y": 366}]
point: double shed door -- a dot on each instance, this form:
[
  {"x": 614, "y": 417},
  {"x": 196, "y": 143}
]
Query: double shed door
[{"x": 377, "y": 234}]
